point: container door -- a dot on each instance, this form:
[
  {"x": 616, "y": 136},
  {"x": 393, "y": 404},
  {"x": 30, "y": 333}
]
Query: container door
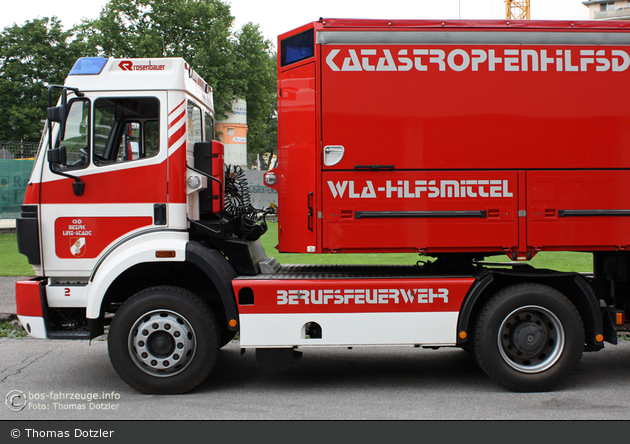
[
  {"x": 399, "y": 172},
  {"x": 297, "y": 154}
]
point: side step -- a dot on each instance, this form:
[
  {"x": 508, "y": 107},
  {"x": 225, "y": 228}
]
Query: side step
[
  {"x": 219, "y": 229},
  {"x": 76, "y": 334},
  {"x": 269, "y": 265}
]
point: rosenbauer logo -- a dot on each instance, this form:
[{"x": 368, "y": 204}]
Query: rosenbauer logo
[{"x": 127, "y": 65}]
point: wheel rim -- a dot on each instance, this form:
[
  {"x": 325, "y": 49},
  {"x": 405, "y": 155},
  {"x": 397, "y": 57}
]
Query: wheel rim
[
  {"x": 531, "y": 339},
  {"x": 162, "y": 343}
]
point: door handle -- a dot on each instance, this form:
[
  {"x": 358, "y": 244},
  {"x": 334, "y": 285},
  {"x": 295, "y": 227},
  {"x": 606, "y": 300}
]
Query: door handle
[
  {"x": 333, "y": 154},
  {"x": 374, "y": 167},
  {"x": 309, "y": 203}
]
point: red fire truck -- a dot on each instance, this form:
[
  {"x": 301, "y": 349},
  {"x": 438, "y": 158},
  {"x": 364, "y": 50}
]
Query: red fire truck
[{"x": 456, "y": 140}]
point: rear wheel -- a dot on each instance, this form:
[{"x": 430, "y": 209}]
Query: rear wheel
[
  {"x": 164, "y": 340},
  {"x": 529, "y": 337}
]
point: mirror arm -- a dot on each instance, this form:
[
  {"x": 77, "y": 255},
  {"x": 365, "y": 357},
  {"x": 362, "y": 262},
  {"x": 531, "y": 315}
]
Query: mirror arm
[
  {"x": 58, "y": 157},
  {"x": 64, "y": 99},
  {"x": 78, "y": 186}
]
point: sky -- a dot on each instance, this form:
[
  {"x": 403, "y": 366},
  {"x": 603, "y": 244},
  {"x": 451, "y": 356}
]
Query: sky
[{"x": 278, "y": 16}]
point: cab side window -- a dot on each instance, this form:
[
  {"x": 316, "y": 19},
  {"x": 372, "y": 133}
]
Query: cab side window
[
  {"x": 126, "y": 129},
  {"x": 76, "y": 137},
  {"x": 209, "y": 130},
  {"x": 151, "y": 138},
  {"x": 194, "y": 123},
  {"x": 130, "y": 142}
]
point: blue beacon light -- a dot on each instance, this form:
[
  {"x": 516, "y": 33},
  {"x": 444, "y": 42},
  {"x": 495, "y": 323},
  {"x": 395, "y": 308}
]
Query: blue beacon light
[{"x": 86, "y": 66}]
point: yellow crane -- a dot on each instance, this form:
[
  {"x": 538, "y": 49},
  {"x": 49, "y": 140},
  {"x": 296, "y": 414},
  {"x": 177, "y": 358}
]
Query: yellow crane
[{"x": 517, "y": 9}]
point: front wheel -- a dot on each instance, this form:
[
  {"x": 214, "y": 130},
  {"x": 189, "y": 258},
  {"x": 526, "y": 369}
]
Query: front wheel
[
  {"x": 163, "y": 340},
  {"x": 529, "y": 338}
]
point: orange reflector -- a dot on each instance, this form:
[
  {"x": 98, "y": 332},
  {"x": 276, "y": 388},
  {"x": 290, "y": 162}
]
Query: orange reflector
[
  {"x": 620, "y": 319},
  {"x": 599, "y": 338},
  {"x": 165, "y": 254},
  {"x": 462, "y": 334},
  {"x": 232, "y": 323}
]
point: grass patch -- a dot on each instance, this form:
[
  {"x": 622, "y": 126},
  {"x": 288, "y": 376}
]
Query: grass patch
[
  {"x": 561, "y": 261},
  {"x": 564, "y": 261},
  {"x": 12, "y": 263},
  {"x": 12, "y": 330},
  {"x": 270, "y": 240}
]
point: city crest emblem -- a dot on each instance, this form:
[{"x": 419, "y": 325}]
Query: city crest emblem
[{"x": 77, "y": 246}]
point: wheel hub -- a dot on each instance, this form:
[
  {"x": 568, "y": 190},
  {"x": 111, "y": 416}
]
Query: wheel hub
[
  {"x": 531, "y": 339},
  {"x": 528, "y": 338},
  {"x": 162, "y": 343}
]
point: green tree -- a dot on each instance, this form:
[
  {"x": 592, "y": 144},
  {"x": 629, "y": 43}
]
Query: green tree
[
  {"x": 257, "y": 65},
  {"x": 197, "y": 30},
  {"x": 32, "y": 56},
  {"x": 238, "y": 64}
]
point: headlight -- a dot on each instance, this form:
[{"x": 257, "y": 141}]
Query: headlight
[{"x": 194, "y": 182}]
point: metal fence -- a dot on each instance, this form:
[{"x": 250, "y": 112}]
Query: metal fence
[
  {"x": 14, "y": 176},
  {"x": 17, "y": 159},
  {"x": 18, "y": 150},
  {"x": 261, "y": 162},
  {"x": 28, "y": 150}
]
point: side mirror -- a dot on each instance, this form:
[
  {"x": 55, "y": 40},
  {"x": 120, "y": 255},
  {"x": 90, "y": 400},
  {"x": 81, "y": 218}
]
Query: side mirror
[
  {"x": 58, "y": 114},
  {"x": 58, "y": 156}
]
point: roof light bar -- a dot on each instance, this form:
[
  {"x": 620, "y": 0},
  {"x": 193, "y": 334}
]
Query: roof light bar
[{"x": 87, "y": 66}]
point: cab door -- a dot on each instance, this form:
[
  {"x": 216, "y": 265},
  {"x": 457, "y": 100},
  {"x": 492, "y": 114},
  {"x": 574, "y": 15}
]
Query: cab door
[{"x": 116, "y": 151}]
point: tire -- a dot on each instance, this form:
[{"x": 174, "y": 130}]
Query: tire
[
  {"x": 226, "y": 337},
  {"x": 163, "y": 340},
  {"x": 529, "y": 338},
  {"x": 468, "y": 348}
]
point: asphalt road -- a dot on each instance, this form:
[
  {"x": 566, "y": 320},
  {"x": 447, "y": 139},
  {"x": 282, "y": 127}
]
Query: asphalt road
[
  {"x": 327, "y": 384},
  {"x": 7, "y": 294}
]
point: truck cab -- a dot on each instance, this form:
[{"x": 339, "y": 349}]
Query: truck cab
[{"x": 111, "y": 177}]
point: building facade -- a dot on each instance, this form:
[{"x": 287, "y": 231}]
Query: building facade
[
  {"x": 608, "y": 10},
  {"x": 232, "y": 132}
]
